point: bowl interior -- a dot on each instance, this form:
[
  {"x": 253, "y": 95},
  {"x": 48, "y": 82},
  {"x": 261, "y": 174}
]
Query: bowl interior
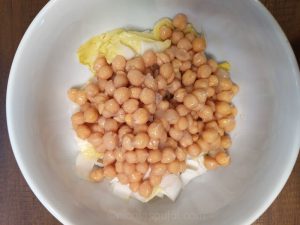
[{"x": 265, "y": 143}]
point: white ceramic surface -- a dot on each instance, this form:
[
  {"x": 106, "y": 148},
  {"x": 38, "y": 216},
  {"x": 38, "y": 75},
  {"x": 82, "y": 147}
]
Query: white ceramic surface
[{"x": 266, "y": 140}]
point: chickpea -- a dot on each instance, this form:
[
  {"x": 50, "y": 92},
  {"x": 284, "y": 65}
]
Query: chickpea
[
  {"x": 166, "y": 70},
  {"x": 185, "y": 66},
  {"x": 100, "y": 98},
  {"x": 204, "y": 71},
  {"x": 180, "y": 21},
  {"x": 140, "y": 116},
  {"x": 129, "y": 120},
  {"x": 145, "y": 189},
  {"x": 179, "y": 94},
  {"x": 153, "y": 143},
  {"x": 155, "y": 180},
  {"x": 99, "y": 62},
  {"x": 80, "y": 98},
  {"x": 141, "y": 140},
  {"x": 95, "y": 128},
  {"x": 225, "y": 84},
  {"x": 174, "y": 167},
  {"x": 165, "y": 32},
  {"x": 213, "y": 81},
  {"x": 130, "y": 106},
  {"x": 180, "y": 154},
  {"x": 142, "y": 167},
  {"x": 109, "y": 172},
  {"x": 163, "y": 105},
  {"x": 162, "y": 58},
  {"x": 108, "y": 158},
  {"x": 150, "y": 82},
  {"x": 200, "y": 94},
  {"x": 102, "y": 84},
  {"x": 120, "y": 79},
  {"x": 184, "y": 43},
  {"x": 135, "y": 77},
  {"x": 225, "y": 96},
  {"x": 199, "y": 59},
  {"x": 120, "y": 116},
  {"x": 147, "y": 96},
  {"x": 182, "y": 166},
  {"x": 186, "y": 140},
  {"x": 170, "y": 53},
  {"x": 149, "y": 58},
  {"x": 223, "y": 108},
  {"x": 91, "y": 115},
  {"x": 190, "y": 101},
  {"x": 91, "y": 89},
  {"x": 122, "y": 94},
  {"x": 177, "y": 64},
  {"x": 188, "y": 78},
  {"x": 128, "y": 168},
  {"x": 83, "y": 131},
  {"x": 118, "y": 63},
  {"x": 72, "y": 93},
  {"x": 95, "y": 139},
  {"x": 182, "y": 55},
  {"x": 158, "y": 169},
  {"x": 176, "y": 36},
  {"x": 135, "y": 177},
  {"x": 127, "y": 142},
  {"x": 168, "y": 155},
  {"x": 111, "y": 106},
  {"x": 210, "y": 135},
  {"x": 174, "y": 86},
  {"x": 171, "y": 116},
  {"x": 199, "y": 44},
  {"x": 161, "y": 83},
  {"x": 119, "y": 155},
  {"x": 182, "y": 110},
  {"x": 201, "y": 83},
  {"x": 96, "y": 175},
  {"x": 182, "y": 123},
  {"x": 213, "y": 65},
  {"x": 221, "y": 73},
  {"x": 142, "y": 128},
  {"x": 110, "y": 88},
  {"x": 77, "y": 118},
  {"x": 210, "y": 163},
  {"x": 110, "y": 140},
  {"x": 135, "y": 64},
  {"x": 130, "y": 157},
  {"x": 134, "y": 186},
  {"x": 105, "y": 72},
  {"x": 154, "y": 156},
  {"x": 228, "y": 124},
  {"x": 111, "y": 125},
  {"x": 206, "y": 113},
  {"x": 124, "y": 130},
  {"x": 176, "y": 134},
  {"x": 119, "y": 166},
  {"x": 194, "y": 150},
  {"x": 226, "y": 141},
  {"x": 123, "y": 178}
]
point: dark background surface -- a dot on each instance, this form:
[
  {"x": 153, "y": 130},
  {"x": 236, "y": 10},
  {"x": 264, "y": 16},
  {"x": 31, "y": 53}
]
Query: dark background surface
[{"x": 18, "y": 205}]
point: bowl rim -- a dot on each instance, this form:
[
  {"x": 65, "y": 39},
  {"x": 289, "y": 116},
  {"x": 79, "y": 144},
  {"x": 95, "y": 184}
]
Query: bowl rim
[{"x": 44, "y": 200}]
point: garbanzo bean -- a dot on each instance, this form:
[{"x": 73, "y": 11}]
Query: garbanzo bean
[
  {"x": 171, "y": 116},
  {"x": 180, "y": 154},
  {"x": 91, "y": 89},
  {"x": 111, "y": 125},
  {"x": 123, "y": 178},
  {"x": 206, "y": 113},
  {"x": 145, "y": 189},
  {"x": 190, "y": 101},
  {"x": 150, "y": 82},
  {"x": 165, "y": 32},
  {"x": 182, "y": 166},
  {"x": 200, "y": 94},
  {"x": 155, "y": 130},
  {"x": 188, "y": 78},
  {"x": 199, "y": 44},
  {"x": 110, "y": 140},
  {"x": 186, "y": 140},
  {"x": 77, "y": 118},
  {"x": 91, "y": 115},
  {"x": 176, "y": 134},
  {"x": 135, "y": 77},
  {"x": 124, "y": 130},
  {"x": 225, "y": 96},
  {"x": 119, "y": 166},
  {"x": 158, "y": 169},
  {"x": 153, "y": 144},
  {"x": 142, "y": 167},
  {"x": 225, "y": 84},
  {"x": 166, "y": 70},
  {"x": 110, "y": 88},
  {"x": 163, "y": 105},
  {"x": 182, "y": 55},
  {"x": 141, "y": 140},
  {"x": 228, "y": 123},
  {"x": 134, "y": 186},
  {"x": 210, "y": 135},
  {"x": 95, "y": 139},
  {"x": 199, "y": 59},
  {"x": 80, "y": 98},
  {"x": 120, "y": 79},
  {"x": 223, "y": 158},
  {"x": 127, "y": 142},
  {"x": 155, "y": 180},
  {"x": 135, "y": 177},
  {"x": 147, "y": 96},
  {"x": 168, "y": 155},
  {"x": 226, "y": 141},
  {"x": 118, "y": 63},
  {"x": 204, "y": 71},
  {"x": 182, "y": 123},
  {"x": 109, "y": 172},
  {"x": 235, "y": 89},
  {"x": 180, "y": 21},
  {"x": 108, "y": 158},
  {"x": 122, "y": 94},
  {"x": 140, "y": 116},
  {"x": 130, "y": 157},
  {"x": 154, "y": 156},
  {"x": 223, "y": 108},
  {"x": 119, "y": 155},
  {"x": 142, "y": 128},
  {"x": 102, "y": 84},
  {"x": 96, "y": 175},
  {"x": 105, "y": 72},
  {"x": 149, "y": 58},
  {"x": 130, "y": 106},
  {"x": 128, "y": 168},
  {"x": 190, "y": 36},
  {"x": 182, "y": 110},
  {"x": 213, "y": 65},
  {"x": 210, "y": 163},
  {"x": 174, "y": 167},
  {"x": 176, "y": 36},
  {"x": 112, "y": 106},
  {"x": 185, "y": 66},
  {"x": 99, "y": 62},
  {"x": 194, "y": 150},
  {"x": 136, "y": 63},
  {"x": 83, "y": 131},
  {"x": 184, "y": 43}
]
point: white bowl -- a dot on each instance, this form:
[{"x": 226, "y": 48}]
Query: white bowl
[{"x": 265, "y": 143}]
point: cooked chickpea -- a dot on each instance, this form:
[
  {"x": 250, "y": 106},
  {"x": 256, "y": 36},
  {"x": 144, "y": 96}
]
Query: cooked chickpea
[
  {"x": 184, "y": 43},
  {"x": 190, "y": 101},
  {"x": 228, "y": 124},
  {"x": 206, "y": 113},
  {"x": 122, "y": 94},
  {"x": 210, "y": 135},
  {"x": 204, "y": 71},
  {"x": 182, "y": 110},
  {"x": 165, "y": 32},
  {"x": 80, "y": 98},
  {"x": 182, "y": 55},
  {"x": 119, "y": 154},
  {"x": 99, "y": 62},
  {"x": 105, "y": 72},
  {"x": 111, "y": 125},
  {"x": 171, "y": 116},
  {"x": 127, "y": 142},
  {"x": 95, "y": 139},
  {"x": 163, "y": 105},
  {"x": 135, "y": 177},
  {"x": 145, "y": 189},
  {"x": 77, "y": 118},
  {"x": 188, "y": 78},
  {"x": 135, "y": 77},
  {"x": 130, "y": 106},
  {"x": 140, "y": 116},
  {"x": 155, "y": 180},
  {"x": 128, "y": 168},
  {"x": 225, "y": 96},
  {"x": 182, "y": 123},
  {"x": 199, "y": 44},
  {"x": 176, "y": 36},
  {"x": 176, "y": 134},
  {"x": 110, "y": 140},
  {"x": 180, "y": 154},
  {"x": 226, "y": 141},
  {"x": 174, "y": 167},
  {"x": 108, "y": 158},
  {"x": 91, "y": 89},
  {"x": 123, "y": 178},
  {"x": 194, "y": 150},
  {"x": 96, "y": 175},
  {"x": 168, "y": 155},
  {"x": 182, "y": 166},
  {"x": 213, "y": 65},
  {"x": 225, "y": 84},
  {"x": 186, "y": 140},
  {"x": 210, "y": 163},
  {"x": 147, "y": 96},
  {"x": 118, "y": 63},
  {"x": 199, "y": 59},
  {"x": 141, "y": 128},
  {"x": 135, "y": 64},
  {"x": 130, "y": 157},
  {"x": 161, "y": 82},
  {"x": 149, "y": 58},
  {"x": 141, "y": 140},
  {"x": 111, "y": 106},
  {"x": 83, "y": 131},
  {"x": 72, "y": 93},
  {"x": 180, "y": 21},
  {"x": 120, "y": 79},
  {"x": 154, "y": 156},
  {"x": 179, "y": 94},
  {"x": 134, "y": 186},
  {"x": 200, "y": 94},
  {"x": 153, "y": 144},
  {"x": 110, "y": 88},
  {"x": 185, "y": 66},
  {"x": 158, "y": 169},
  {"x": 102, "y": 84},
  {"x": 201, "y": 83},
  {"x": 166, "y": 70},
  {"x": 91, "y": 115},
  {"x": 142, "y": 167},
  {"x": 109, "y": 172},
  {"x": 223, "y": 108},
  {"x": 150, "y": 82},
  {"x": 213, "y": 81}
]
